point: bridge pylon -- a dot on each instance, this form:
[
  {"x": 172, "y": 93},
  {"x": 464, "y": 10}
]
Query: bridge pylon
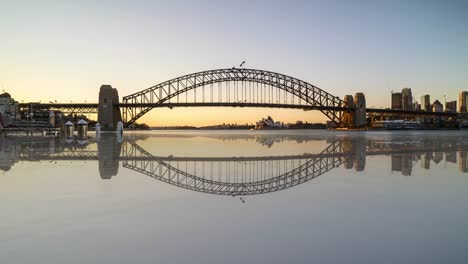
[
  {"x": 355, "y": 116},
  {"x": 108, "y": 109}
]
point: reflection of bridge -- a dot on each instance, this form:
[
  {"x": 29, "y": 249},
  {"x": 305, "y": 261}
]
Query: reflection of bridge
[
  {"x": 230, "y": 175},
  {"x": 230, "y": 88}
]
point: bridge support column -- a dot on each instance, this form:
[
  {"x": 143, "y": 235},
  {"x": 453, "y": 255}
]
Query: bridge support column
[
  {"x": 349, "y": 116},
  {"x": 360, "y": 112},
  {"x": 108, "y": 112}
]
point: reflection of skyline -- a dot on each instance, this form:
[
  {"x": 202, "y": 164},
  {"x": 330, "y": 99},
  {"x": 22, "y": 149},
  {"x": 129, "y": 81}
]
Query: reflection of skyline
[
  {"x": 404, "y": 162},
  {"x": 236, "y": 175}
]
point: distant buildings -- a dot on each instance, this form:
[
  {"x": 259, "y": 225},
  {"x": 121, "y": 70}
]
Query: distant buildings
[
  {"x": 403, "y": 100},
  {"x": 451, "y": 106},
  {"x": 426, "y": 103},
  {"x": 407, "y": 99},
  {"x": 9, "y": 109},
  {"x": 269, "y": 123},
  {"x": 437, "y": 106},
  {"x": 462, "y": 101},
  {"x": 397, "y": 101}
]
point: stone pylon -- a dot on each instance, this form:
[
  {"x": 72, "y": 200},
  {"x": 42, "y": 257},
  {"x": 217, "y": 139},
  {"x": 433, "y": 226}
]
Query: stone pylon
[{"x": 108, "y": 113}]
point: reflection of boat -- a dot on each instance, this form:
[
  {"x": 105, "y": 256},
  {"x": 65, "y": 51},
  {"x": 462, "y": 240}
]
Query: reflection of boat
[
  {"x": 269, "y": 123},
  {"x": 397, "y": 125}
]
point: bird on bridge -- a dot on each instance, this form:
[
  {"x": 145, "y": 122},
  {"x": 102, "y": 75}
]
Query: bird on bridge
[{"x": 242, "y": 64}]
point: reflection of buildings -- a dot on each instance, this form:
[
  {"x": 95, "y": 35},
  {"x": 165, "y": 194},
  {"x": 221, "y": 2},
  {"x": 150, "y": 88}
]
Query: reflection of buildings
[
  {"x": 426, "y": 161},
  {"x": 237, "y": 175},
  {"x": 437, "y": 157},
  {"x": 451, "y": 156},
  {"x": 463, "y": 161},
  {"x": 357, "y": 150},
  {"x": 403, "y": 163}
]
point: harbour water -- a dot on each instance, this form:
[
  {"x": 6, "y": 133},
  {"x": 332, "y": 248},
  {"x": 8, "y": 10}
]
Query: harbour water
[{"x": 284, "y": 196}]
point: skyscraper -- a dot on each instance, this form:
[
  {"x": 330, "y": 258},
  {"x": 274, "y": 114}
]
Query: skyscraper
[
  {"x": 451, "y": 106},
  {"x": 462, "y": 101},
  {"x": 437, "y": 106},
  {"x": 396, "y": 101},
  {"x": 426, "y": 103},
  {"x": 407, "y": 99}
]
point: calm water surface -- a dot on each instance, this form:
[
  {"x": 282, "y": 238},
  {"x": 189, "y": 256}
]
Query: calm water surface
[{"x": 236, "y": 197}]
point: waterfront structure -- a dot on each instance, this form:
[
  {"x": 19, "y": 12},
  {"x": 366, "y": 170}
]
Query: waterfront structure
[
  {"x": 437, "y": 106},
  {"x": 108, "y": 112},
  {"x": 349, "y": 116},
  {"x": 9, "y": 110},
  {"x": 407, "y": 99},
  {"x": 451, "y": 106},
  {"x": 269, "y": 123},
  {"x": 397, "y": 100},
  {"x": 463, "y": 101},
  {"x": 426, "y": 103},
  {"x": 397, "y": 125},
  {"x": 360, "y": 112}
]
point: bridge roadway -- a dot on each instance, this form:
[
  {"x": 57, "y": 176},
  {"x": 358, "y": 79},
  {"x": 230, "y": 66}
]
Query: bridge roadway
[{"x": 92, "y": 108}]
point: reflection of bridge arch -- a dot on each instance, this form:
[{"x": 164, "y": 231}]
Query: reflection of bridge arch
[
  {"x": 235, "y": 176},
  {"x": 242, "y": 87}
]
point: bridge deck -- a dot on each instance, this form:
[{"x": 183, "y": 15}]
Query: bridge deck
[{"x": 92, "y": 107}]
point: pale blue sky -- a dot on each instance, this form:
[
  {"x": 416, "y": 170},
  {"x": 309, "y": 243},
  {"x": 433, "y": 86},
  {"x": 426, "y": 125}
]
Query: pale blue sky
[{"x": 64, "y": 50}]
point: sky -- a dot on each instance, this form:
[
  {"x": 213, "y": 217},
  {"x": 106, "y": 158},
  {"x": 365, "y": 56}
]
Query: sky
[{"x": 65, "y": 50}]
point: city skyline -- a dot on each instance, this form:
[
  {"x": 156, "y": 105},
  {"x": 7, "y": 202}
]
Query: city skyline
[{"x": 65, "y": 51}]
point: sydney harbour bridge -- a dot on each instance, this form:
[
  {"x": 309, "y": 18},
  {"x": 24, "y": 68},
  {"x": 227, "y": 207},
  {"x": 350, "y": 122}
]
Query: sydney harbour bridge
[
  {"x": 232, "y": 87},
  {"x": 234, "y": 176}
]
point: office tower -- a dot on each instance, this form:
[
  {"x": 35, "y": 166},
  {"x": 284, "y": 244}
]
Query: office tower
[
  {"x": 426, "y": 103},
  {"x": 407, "y": 99},
  {"x": 437, "y": 106},
  {"x": 462, "y": 101},
  {"x": 451, "y": 106},
  {"x": 396, "y": 101}
]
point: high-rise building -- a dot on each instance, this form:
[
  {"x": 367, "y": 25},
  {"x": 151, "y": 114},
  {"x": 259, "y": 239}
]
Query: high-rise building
[
  {"x": 451, "y": 106},
  {"x": 426, "y": 103},
  {"x": 9, "y": 109},
  {"x": 407, "y": 99},
  {"x": 437, "y": 106},
  {"x": 462, "y": 101},
  {"x": 397, "y": 101}
]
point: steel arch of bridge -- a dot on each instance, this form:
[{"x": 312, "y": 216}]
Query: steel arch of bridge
[{"x": 136, "y": 105}]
